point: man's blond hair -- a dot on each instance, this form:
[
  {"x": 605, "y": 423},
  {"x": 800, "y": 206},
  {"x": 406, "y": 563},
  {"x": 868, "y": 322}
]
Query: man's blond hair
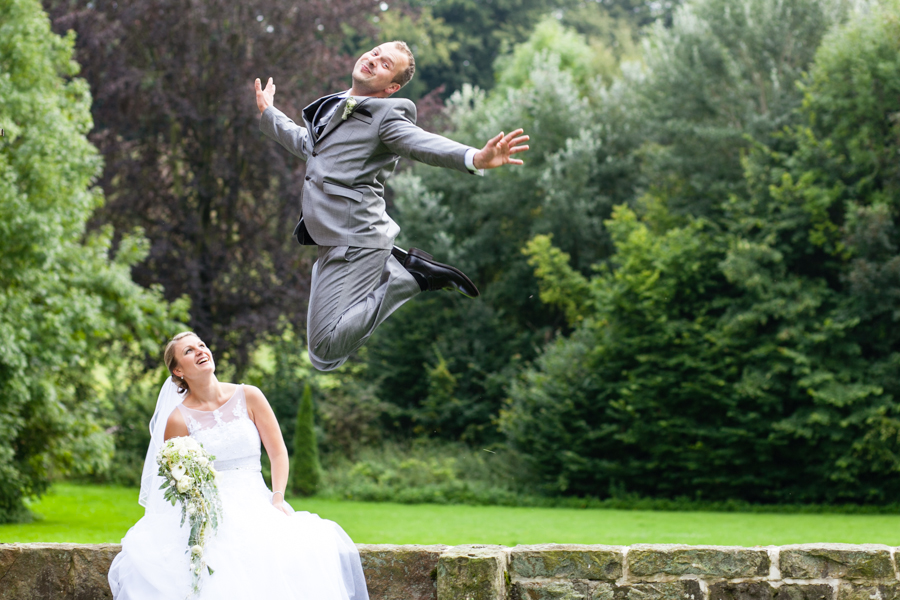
[{"x": 406, "y": 74}]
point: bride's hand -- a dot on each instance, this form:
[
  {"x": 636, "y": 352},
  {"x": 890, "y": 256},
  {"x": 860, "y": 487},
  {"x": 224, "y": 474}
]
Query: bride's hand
[{"x": 278, "y": 503}]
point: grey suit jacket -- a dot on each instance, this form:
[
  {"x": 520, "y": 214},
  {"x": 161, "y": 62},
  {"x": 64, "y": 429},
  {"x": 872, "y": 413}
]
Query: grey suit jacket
[{"x": 346, "y": 167}]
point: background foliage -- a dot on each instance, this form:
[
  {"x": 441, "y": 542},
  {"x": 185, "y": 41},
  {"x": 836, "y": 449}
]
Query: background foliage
[
  {"x": 688, "y": 292},
  {"x": 748, "y": 356},
  {"x": 67, "y": 304},
  {"x": 176, "y": 121}
]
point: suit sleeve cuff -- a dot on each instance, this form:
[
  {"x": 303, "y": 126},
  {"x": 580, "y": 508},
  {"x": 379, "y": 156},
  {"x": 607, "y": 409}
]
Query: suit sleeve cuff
[{"x": 470, "y": 162}]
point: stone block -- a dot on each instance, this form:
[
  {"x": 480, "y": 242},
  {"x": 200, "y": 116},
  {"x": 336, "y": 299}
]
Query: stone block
[
  {"x": 757, "y": 590},
  {"x": 570, "y": 561},
  {"x": 838, "y": 561},
  {"x": 551, "y": 590},
  {"x": 472, "y": 573},
  {"x": 686, "y": 589},
  {"x": 400, "y": 572},
  {"x": 711, "y": 561},
  {"x": 36, "y": 572},
  {"x": 602, "y": 591},
  {"x": 90, "y": 568},
  {"x": 761, "y": 590},
  {"x": 888, "y": 591},
  {"x": 797, "y": 591}
]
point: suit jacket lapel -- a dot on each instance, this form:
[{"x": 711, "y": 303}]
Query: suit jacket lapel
[
  {"x": 309, "y": 113},
  {"x": 337, "y": 117}
]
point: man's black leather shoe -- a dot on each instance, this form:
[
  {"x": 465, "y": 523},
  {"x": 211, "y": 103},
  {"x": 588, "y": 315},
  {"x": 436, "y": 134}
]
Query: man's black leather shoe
[{"x": 433, "y": 275}]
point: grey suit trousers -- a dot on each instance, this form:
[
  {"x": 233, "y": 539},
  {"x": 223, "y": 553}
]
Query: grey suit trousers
[{"x": 353, "y": 290}]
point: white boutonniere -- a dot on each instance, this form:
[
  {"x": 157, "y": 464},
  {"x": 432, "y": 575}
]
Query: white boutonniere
[{"x": 348, "y": 108}]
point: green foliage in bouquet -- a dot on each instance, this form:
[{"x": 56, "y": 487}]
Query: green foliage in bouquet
[{"x": 190, "y": 479}]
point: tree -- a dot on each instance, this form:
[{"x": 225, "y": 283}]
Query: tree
[
  {"x": 670, "y": 132},
  {"x": 177, "y": 123},
  {"x": 722, "y": 74},
  {"x": 66, "y": 304},
  {"x": 305, "y": 469},
  {"x": 753, "y": 358},
  {"x": 480, "y": 33},
  {"x": 822, "y": 218},
  {"x": 585, "y": 58},
  {"x": 473, "y": 35},
  {"x": 481, "y": 223},
  {"x": 637, "y": 399}
]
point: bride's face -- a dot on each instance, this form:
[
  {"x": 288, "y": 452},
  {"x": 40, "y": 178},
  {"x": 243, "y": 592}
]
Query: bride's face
[{"x": 194, "y": 358}]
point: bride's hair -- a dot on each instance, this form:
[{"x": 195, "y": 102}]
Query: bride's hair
[{"x": 172, "y": 361}]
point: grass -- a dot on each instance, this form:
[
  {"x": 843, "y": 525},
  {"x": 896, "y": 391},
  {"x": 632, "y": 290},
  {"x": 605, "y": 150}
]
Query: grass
[
  {"x": 94, "y": 514},
  {"x": 78, "y": 513}
]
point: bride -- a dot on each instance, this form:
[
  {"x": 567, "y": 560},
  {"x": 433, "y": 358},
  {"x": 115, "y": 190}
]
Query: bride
[{"x": 262, "y": 548}]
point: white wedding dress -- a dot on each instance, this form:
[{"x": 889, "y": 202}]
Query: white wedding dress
[{"x": 257, "y": 552}]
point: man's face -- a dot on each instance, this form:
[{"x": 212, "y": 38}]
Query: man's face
[{"x": 376, "y": 70}]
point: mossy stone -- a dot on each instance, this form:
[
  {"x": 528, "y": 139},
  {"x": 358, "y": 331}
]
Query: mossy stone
[
  {"x": 727, "y": 562},
  {"x": 550, "y": 590},
  {"x": 472, "y": 573},
  {"x": 837, "y": 561},
  {"x": 401, "y": 572},
  {"x": 570, "y": 561},
  {"x": 849, "y": 591}
]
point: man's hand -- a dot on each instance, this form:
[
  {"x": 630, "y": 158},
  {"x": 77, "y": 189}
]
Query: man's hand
[
  {"x": 498, "y": 150},
  {"x": 265, "y": 97}
]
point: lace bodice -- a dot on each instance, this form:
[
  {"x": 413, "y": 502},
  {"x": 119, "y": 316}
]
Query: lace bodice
[{"x": 227, "y": 433}]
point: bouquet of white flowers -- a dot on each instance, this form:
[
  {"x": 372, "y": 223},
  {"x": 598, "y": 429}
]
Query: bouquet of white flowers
[{"x": 191, "y": 480}]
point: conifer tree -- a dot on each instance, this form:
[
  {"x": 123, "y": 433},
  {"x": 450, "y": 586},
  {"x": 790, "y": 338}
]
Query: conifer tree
[{"x": 305, "y": 470}]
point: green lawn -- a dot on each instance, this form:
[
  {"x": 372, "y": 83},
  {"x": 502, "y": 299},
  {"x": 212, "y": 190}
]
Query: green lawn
[{"x": 75, "y": 513}]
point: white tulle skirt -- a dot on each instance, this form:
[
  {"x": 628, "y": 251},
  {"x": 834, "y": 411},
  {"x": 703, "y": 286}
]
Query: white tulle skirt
[{"x": 258, "y": 552}]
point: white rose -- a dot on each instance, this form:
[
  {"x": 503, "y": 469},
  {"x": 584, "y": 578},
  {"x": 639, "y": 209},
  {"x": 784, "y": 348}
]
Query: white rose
[
  {"x": 184, "y": 484},
  {"x": 178, "y": 472},
  {"x": 197, "y": 550},
  {"x": 202, "y": 461}
]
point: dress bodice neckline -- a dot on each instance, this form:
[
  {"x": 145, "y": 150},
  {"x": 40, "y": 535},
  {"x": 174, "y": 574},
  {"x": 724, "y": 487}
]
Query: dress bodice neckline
[{"x": 226, "y": 403}]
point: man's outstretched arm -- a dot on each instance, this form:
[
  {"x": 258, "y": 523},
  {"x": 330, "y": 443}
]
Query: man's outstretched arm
[
  {"x": 277, "y": 125},
  {"x": 403, "y": 137}
]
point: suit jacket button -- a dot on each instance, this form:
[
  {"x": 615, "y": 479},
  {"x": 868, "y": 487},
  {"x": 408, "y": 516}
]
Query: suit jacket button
[
  {"x": 308, "y": 177},
  {"x": 315, "y": 153}
]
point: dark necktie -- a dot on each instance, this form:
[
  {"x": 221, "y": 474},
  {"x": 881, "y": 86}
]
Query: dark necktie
[{"x": 324, "y": 111}]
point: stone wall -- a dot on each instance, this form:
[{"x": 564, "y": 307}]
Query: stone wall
[{"x": 547, "y": 572}]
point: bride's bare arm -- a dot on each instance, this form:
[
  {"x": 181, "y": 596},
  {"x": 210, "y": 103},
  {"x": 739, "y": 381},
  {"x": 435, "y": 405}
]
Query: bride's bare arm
[
  {"x": 175, "y": 426},
  {"x": 270, "y": 433}
]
